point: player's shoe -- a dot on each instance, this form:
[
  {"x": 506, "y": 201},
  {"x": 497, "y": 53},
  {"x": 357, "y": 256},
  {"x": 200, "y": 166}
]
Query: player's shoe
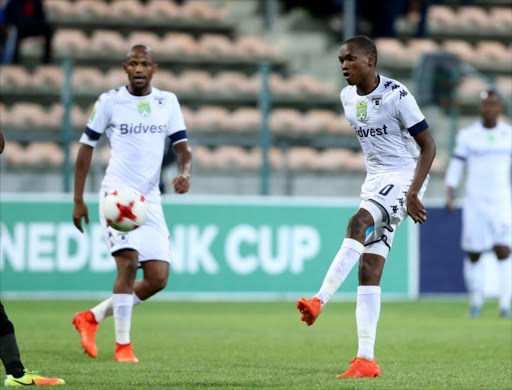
[
  {"x": 361, "y": 368},
  {"x": 124, "y": 353},
  {"x": 505, "y": 313},
  {"x": 309, "y": 309},
  {"x": 475, "y": 312},
  {"x": 31, "y": 379},
  {"x": 86, "y": 325}
]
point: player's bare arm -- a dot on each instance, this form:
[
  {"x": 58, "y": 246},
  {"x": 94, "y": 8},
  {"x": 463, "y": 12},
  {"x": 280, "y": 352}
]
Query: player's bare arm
[
  {"x": 450, "y": 199},
  {"x": 83, "y": 164},
  {"x": 181, "y": 183},
  {"x": 427, "y": 153}
]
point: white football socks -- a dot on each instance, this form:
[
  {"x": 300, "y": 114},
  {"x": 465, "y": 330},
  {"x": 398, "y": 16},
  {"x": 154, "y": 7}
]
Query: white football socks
[
  {"x": 505, "y": 283},
  {"x": 105, "y": 309},
  {"x": 367, "y": 317},
  {"x": 474, "y": 277},
  {"x": 343, "y": 262},
  {"x": 123, "y": 305}
]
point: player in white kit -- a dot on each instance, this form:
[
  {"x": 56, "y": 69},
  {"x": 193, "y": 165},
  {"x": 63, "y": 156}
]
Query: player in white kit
[
  {"x": 390, "y": 127},
  {"x": 137, "y": 119},
  {"x": 486, "y": 148}
]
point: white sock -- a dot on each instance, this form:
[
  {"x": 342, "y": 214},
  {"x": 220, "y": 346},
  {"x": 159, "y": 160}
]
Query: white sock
[
  {"x": 367, "y": 317},
  {"x": 343, "y": 262},
  {"x": 505, "y": 283},
  {"x": 106, "y": 308},
  {"x": 123, "y": 305},
  {"x": 475, "y": 278}
]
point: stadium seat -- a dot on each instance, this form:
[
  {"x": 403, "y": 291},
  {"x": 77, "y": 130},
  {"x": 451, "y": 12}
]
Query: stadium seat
[
  {"x": 302, "y": 158},
  {"x": 107, "y": 42},
  {"x": 44, "y": 153},
  {"x": 244, "y": 120},
  {"x": 493, "y": 51},
  {"x": 86, "y": 79},
  {"x": 201, "y": 10},
  {"x": 143, "y": 37},
  {"x": 29, "y": 115},
  {"x": 254, "y": 46},
  {"x": 115, "y": 78},
  {"x": 501, "y": 19},
  {"x": 441, "y": 17},
  {"x": 69, "y": 41},
  {"x": 14, "y": 153},
  {"x": 469, "y": 89},
  {"x": 356, "y": 162},
  {"x": 471, "y": 17},
  {"x": 163, "y": 10},
  {"x": 215, "y": 45},
  {"x": 209, "y": 118},
  {"x": 126, "y": 8},
  {"x": 14, "y": 75},
  {"x": 48, "y": 76},
  {"x": 92, "y": 9},
  {"x": 174, "y": 43},
  {"x": 504, "y": 85},
  {"x": 285, "y": 120},
  {"x": 462, "y": 49},
  {"x": 333, "y": 159},
  {"x": 59, "y": 8},
  {"x": 390, "y": 49}
]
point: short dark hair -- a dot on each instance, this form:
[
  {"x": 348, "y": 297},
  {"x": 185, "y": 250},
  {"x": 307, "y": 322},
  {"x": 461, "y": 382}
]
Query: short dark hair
[
  {"x": 146, "y": 48},
  {"x": 489, "y": 92},
  {"x": 365, "y": 43}
]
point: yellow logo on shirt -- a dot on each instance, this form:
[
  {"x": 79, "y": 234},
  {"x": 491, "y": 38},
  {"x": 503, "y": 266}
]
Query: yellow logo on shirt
[
  {"x": 361, "y": 110},
  {"x": 144, "y": 108}
]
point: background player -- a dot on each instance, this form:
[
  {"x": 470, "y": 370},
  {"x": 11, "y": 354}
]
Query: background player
[
  {"x": 136, "y": 119},
  {"x": 486, "y": 147},
  {"x": 389, "y": 126}
]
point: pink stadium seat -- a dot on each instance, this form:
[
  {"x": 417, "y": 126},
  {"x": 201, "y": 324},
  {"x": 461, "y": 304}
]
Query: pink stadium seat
[
  {"x": 229, "y": 82},
  {"x": 441, "y": 16},
  {"x": 254, "y": 46},
  {"x": 356, "y": 162},
  {"x": 59, "y": 8},
  {"x": 471, "y": 17},
  {"x": 48, "y": 76},
  {"x": 470, "y": 88},
  {"x": 203, "y": 156},
  {"x": 309, "y": 85},
  {"x": 28, "y": 115},
  {"x": 14, "y": 153},
  {"x": 198, "y": 80},
  {"x": 390, "y": 49},
  {"x": 201, "y": 10},
  {"x": 188, "y": 116},
  {"x": 211, "y": 118},
  {"x": 493, "y": 51},
  {"x": 54, "y": 116},
  {"x": 230, "y": 157},
  {"x": 126, "y": 8},
  {"x": 70, "y": 41},
  {"x": 163, "y": 10},
  {"x": 251, "y": 86},
  {"x": 285, "y": 121},
  {"x": 462, "y": 49},
  {"x": 107, "y": 41},
  {"x": 504, "y": 84},
  {"x": 44, "y": 153},
  {"x": 14, "y": 75},
  {"x": 244, "y": 120},
  {"x": 91, "y": 9},
  {"x": 501, "y": 19},
  {"x": 85, "y": 79},
  {"x": 144, "y": 38},
  {"x": 115, "y": 78},
  {"x": 333, "y": 159},
  {"x": 302, "y": 158},
  {"x": 179, "y": 43},
  {"x": 216, "y": 45},
  {"x": 280, "y": 86},
  {"x": 319, "y": 121},
  {"x": 417, "y": 46}
]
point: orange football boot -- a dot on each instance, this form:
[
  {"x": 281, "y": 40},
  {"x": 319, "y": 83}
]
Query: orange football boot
[
  {"x": 124, "y": 353},
  {"x": 309, "y": 309},
  {"x": 361, "y": 368},
  {"x": 86, "y": 325}
]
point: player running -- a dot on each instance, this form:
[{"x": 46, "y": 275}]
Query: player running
[
  {"x": 390, "y": 127},
  {"x": 137, "y": 119}
]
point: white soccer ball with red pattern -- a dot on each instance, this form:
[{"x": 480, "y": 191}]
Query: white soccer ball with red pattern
[{"x": 125, "y": 209}]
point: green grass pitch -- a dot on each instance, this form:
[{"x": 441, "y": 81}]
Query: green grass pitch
[{"x": 182, "y": 345}]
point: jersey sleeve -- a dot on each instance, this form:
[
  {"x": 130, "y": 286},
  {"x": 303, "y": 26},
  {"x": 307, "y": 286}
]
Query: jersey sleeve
[
  {"x": 98, "y": 121},
  {"x": 176, "y": 129},
  {"x": 456, "y": 166},
  {"x": 408, "y": 112}
]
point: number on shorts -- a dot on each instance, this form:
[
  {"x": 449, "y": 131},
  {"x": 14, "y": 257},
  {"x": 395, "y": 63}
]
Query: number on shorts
[{"x": 386, "y": 189}]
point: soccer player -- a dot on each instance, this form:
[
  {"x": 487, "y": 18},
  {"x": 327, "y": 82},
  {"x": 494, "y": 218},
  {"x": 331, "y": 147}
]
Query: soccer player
[
  {"x": 17, "y": 375},
  {"x": 136, "y": 118},
  {"x": 486, "y": 147},
  {"x": 390, "y": 128}
]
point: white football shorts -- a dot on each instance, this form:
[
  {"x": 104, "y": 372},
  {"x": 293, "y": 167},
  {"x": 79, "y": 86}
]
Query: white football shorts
[
  {"x": 384, "y": 196},
  {"x": 485, "y": 224},
  {"x": 151, "y": 239}
]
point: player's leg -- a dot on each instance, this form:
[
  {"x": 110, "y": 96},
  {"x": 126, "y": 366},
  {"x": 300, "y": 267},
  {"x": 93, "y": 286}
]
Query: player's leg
[
  {"x": 474, "y": 279},
  {"x": 505, "y": 282},
  {"x": 122, "y": 300},
  {"x": 343, "y": 262},
  {"x": 156, "y": 274},
  {"x": 10, "y": 355},
  {"x": 371, "y": 266}
]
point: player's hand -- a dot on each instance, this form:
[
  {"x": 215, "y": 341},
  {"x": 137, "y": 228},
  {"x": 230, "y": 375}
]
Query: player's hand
[
  {"x": 415, "y": 208},
  {"x": 80, "y": 211},
  {"x": 181, "y": 183},
  {"x": 450, "y": 205}
]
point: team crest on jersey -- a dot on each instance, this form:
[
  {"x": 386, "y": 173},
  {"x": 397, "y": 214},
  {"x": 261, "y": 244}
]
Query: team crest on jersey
[
  {"x": 144, "y": 108},
  {"x": 377, "y": 101},
  {"x": 361, "y": 110},
  {"x": 160, "y": 102}
]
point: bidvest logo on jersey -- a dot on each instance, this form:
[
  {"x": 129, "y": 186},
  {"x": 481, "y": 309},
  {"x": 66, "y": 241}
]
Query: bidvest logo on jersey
[
  {"x": 372, "y": 131},
  {"x": 130, "y": 128}
]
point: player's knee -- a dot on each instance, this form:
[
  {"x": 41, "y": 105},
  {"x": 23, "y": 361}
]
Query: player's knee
[
  {"x": 358, "y": 224},
  {"x": 157, "y": 283},
  {"x": 370, "y": 272}
]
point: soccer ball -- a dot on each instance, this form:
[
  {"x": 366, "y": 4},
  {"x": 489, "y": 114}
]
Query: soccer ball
[{"x": 125, "y": 209}]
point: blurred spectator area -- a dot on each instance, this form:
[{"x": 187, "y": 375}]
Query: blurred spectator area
[{"x": 213, "y": 69}]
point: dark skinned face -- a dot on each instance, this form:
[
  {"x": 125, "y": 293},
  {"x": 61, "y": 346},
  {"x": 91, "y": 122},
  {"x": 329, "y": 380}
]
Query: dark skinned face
[
  {"x": 490, "y": 108},
  {"x": 139, "y": 66},
  {"x": 358, "y": 67}
]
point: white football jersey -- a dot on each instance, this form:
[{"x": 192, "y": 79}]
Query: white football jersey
[
  {"x": 136, "y": 127},
  {"x": 385, "y": 121},
  {"x": 488, "y": 156}
]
